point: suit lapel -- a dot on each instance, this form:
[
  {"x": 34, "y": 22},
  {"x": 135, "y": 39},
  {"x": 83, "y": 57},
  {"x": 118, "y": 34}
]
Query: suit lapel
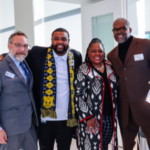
[
  {"x": 131, "y": 50},
  {"x": 117, "y": 59},
  {"x": 15, "y": 69}
]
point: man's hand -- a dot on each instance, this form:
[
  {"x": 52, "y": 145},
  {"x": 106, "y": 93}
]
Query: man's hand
[
  {"x": 1, "y": 57},
  {"x": 92, "y": 124},
  {"x": 3, "y": 137}
]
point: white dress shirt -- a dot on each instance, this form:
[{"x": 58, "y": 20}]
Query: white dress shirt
[{"x": 62, "y": 88}]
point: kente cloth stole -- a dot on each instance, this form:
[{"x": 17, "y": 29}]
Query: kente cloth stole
[{"x": 48, "y": 98}]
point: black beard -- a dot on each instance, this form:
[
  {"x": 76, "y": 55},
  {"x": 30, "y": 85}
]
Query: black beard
[{"x": 59, "y": 52}]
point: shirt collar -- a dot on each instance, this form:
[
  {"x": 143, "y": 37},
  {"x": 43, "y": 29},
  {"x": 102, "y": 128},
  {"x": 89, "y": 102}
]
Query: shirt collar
[
  {"x": 14, "y": 60},
  {"x": 64, "y": 57}
]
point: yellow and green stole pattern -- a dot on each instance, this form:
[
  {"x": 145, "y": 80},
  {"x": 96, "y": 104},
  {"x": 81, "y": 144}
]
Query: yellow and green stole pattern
[{"x": 48, "y": 98}]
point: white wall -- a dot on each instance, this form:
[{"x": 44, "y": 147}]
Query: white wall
[
  {"x": 52, "y": 8},
  {"x": 147, "y": 15},
  {"x": 96, "y": 9},
  {"x": 7, "y": 19},
  {"x": 139, "y": 17},
  {"x": 4, "y": 41},
  {"x": 132, "y": 16},
  {"x": 43, "y": 8},
  {"x": 72, "y": 23},
  {"x": 24, "y": 20}
]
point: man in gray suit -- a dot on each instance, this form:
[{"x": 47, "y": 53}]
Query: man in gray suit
[{"x": 17, "y": 107}]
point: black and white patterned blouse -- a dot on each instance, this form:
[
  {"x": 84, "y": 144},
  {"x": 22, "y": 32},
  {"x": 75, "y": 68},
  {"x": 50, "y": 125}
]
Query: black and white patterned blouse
[{"x": 89, "y": 102}]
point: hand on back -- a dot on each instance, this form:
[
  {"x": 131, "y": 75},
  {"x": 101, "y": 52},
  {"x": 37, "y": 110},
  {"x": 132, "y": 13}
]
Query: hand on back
[{"x": 1, "y": 57}]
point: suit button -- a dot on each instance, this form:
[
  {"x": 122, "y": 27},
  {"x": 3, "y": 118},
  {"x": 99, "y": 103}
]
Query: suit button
[
  {"x": 148, "y": 82},
  {"x": 125, "y": 78},
  {"x": 126, "y": 99},
  {"x": 124, "y": 68},
  {"x": 29, "y": 104}
]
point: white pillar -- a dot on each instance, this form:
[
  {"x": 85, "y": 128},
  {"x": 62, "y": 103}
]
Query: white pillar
[{"x": 24, "y": 20}]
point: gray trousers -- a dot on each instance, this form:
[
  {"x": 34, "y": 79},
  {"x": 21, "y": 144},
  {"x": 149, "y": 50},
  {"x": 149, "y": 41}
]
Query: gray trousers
[{"x": 27, "y": 141}]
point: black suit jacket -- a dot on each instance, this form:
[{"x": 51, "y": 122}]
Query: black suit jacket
[{"x": 35, "y": 62}]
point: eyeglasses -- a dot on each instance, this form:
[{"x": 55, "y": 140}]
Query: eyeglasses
[
  {"x": 18, "y": 45},
  {"x": 121, "y": 29}
]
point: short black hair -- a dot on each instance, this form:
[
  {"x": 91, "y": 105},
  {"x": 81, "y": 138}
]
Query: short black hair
[{"x": 61, "y": 30}]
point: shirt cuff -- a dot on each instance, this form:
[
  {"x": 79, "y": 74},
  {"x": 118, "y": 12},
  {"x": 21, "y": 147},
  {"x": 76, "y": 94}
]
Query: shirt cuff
[{"x": 1, "y": 128}]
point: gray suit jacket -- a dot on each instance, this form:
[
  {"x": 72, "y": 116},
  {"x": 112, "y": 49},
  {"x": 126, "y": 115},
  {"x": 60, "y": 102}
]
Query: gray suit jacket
[{"x": 16, "y": 100}]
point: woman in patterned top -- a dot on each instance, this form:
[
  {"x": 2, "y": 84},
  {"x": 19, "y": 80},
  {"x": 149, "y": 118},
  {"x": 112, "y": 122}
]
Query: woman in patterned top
[{"x": 96, "y": 100}]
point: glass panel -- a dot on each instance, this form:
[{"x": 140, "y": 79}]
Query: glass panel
[
  {"x": 102, "y": 29},
  {"x": 147, "y": 35}
]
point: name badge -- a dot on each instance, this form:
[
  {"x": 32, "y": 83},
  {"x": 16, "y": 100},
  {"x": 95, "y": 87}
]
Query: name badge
[
  {"x": 138, "y": 57},
  {"x": 148, "y": 97},
  {"x": 9, "y": 74}
]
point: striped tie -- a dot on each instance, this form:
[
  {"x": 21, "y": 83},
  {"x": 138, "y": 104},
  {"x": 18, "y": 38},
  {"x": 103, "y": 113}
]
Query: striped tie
[{"x": 26, "y": 72}]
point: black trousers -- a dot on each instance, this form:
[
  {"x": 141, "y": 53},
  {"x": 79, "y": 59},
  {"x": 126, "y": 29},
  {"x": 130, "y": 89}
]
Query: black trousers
[
  {"x": 107, "y": 131},
  {"x": 55, "y": 130}
]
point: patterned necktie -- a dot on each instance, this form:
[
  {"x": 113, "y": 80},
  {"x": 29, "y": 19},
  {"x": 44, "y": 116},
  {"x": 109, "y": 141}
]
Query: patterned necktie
[{"x": 26, "y": 72}]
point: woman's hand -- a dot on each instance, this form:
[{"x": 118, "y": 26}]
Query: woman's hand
[
  {"x": 91, "y": 125},
  {"x": 1, "y": 57},
  {"x": 107, "y": 61}
]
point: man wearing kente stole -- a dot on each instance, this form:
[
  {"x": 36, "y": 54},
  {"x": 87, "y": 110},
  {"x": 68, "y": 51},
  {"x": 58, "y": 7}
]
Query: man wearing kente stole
[{"x": 53, "y": 70}]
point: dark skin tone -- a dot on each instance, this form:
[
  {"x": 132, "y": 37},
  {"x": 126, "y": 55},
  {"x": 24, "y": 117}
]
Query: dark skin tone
[
  {"x": 60, "y": 41},
  {"x": 96, "y": 55},
  {"x": 123, "y": 36},
  {"x": 91, "y": 125}
]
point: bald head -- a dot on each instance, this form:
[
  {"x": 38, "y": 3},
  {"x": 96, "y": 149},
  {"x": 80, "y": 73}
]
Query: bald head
[{"x": 126, "y": 22}]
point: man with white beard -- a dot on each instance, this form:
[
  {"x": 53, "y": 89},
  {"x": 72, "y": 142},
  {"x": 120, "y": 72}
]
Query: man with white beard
[{"x": 17, "y": 107}]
